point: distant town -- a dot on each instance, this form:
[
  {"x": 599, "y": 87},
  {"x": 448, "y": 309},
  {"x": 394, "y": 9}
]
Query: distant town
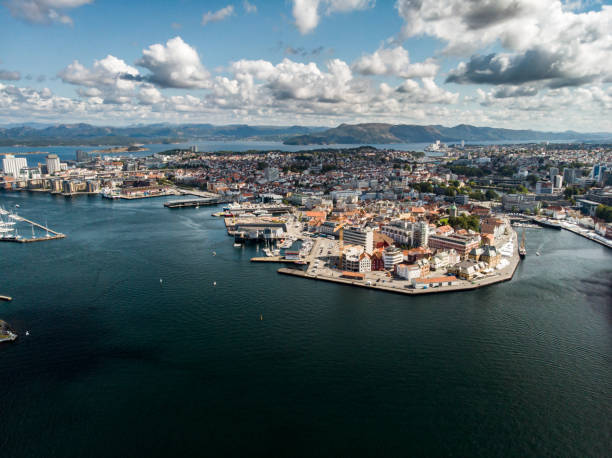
[{"x": 452, "y": 218}]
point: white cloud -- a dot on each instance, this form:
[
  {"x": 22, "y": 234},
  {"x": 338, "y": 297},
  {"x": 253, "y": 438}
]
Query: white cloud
[
  {"x": 218, "y": 15},
  {"x": 105, "y": 72},
  {"x": 547, "y": 42},
  {"x": 174, "y": 65},
  {"x": 43, "y": 11},
  {"x": 249, "y": 7},
  {"x": 307, "y": 12},
  {"x": 394, "y": 62}
]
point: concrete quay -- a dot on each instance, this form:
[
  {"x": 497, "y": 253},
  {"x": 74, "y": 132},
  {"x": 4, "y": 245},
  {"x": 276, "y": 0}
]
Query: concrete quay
[
  {"x": 503, "y": 275},
  {"x": 273, "y": 259}
]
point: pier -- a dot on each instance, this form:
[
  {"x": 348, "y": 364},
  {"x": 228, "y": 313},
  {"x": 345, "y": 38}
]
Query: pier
[
  {"x": 18, "y": 239},
  {"x": 196, "y": 202}
]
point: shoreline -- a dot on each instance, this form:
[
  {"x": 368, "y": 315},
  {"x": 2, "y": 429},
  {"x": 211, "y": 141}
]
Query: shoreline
[{"x": 466, "y": 285}]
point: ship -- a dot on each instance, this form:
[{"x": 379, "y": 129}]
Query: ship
[{"x": 522, "y": 251}]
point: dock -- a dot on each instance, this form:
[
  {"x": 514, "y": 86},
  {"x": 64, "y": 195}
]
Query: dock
[
  {"x": 55, "y": 235},
  {"x": 195, "y": 202},
  {"x": 273, "y": 259}
]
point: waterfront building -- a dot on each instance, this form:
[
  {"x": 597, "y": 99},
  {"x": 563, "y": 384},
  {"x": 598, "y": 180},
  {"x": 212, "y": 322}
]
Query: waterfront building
[
  {"x": 467, "y": 269},
  {"x": 490, "y": 255},
  {"x": 435, "y": 282},
  {"x": 355, "y": 260},
  {"x": 587, "y": 207},
  {"x": 360, "y": 237},
  {"x": 407, "y": 271},
  {"x": 494, "y": 226},
  {"x": 520, "y": 202},
  {"x": 12, "y": 165},
  {"x": 53, "y": 164},
  {"x": 391, "y": 257},
  {"x": 443, "y": 259},
  {"x": 462, "y": 244}
]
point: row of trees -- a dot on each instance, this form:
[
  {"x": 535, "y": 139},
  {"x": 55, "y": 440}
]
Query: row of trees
[{"x": 465, "y": 222}]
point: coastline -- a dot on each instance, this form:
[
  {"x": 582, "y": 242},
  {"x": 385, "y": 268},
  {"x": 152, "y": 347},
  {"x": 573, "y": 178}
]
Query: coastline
[{"x": 506, "y": 274}]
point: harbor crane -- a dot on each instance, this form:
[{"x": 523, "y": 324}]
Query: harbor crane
[{"x": 340, "y": 227}]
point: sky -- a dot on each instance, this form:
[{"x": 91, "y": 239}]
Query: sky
[{"x": 535, "y": 64}]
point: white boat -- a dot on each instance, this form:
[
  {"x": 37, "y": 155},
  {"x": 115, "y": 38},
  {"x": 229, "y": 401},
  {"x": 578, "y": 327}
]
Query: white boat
[{"x": 237, "y": 245}]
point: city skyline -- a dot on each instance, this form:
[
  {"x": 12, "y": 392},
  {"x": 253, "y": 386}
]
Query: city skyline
[{"x": 513, "y": 64}]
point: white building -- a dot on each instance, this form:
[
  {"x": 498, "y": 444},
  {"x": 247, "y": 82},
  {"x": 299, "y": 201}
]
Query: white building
[
  {"x": 12, "y": 165},
  {"x": 392, "y": 256},
  {"x": 53, "y": 164},
  {"x": 408, "y": 271},
  {"x": 360, "y": 237}
]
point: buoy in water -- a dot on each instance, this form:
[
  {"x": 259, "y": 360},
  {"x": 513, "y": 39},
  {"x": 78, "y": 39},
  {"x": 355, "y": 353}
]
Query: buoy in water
[
  {"x": 260, "y": 317},
  {"x": 160, "y": 281},
  {"x": 214, "y": 283},
  {"x": 27, "y": 333}
]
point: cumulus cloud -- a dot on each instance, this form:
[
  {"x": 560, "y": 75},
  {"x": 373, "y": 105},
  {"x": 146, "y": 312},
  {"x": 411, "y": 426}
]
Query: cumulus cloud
[
  {"x": 175, "y": 64},
  {"x": 8, "y": 75},
  {"x": 547, "y": 42},
  {"x": 105, "y": 72},
  {"x": 307, "y": 13},
  {"x": 218, "y": 15},
  {"x": 43, "y": 11},
  {"x": 110, "y": 78},
  {"x": 394, "y": 62}
]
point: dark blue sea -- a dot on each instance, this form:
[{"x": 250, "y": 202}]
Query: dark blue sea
[{"x": 119, "y": 364}]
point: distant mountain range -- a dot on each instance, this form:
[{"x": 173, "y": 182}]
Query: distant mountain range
[
  {"x": 33, "y": 134},
  {"x": 86, "y": 134},
  {"x": 409, "y": 133}
]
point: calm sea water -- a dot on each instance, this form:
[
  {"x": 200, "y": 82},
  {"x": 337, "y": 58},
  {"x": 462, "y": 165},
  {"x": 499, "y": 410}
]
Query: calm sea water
[{"x": 118, "y": 364}]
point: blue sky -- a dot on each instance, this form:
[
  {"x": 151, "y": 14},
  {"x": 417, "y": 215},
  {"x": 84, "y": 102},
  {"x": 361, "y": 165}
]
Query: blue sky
[{"x": 510, "y": 63}]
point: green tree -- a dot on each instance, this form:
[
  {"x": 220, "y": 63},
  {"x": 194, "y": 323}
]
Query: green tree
[
  {"x": 604, "y": 212},
  {"x": 491, "y": 195}
]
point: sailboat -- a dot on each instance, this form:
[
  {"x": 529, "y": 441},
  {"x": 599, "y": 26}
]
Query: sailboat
[{"x": 522, "y": 250}]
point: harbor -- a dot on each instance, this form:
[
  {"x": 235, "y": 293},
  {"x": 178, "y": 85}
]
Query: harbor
[{"x": 9, "y": 232}]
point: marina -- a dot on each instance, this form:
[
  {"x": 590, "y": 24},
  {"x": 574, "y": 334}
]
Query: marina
[{"x": 9, "y": 221}]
